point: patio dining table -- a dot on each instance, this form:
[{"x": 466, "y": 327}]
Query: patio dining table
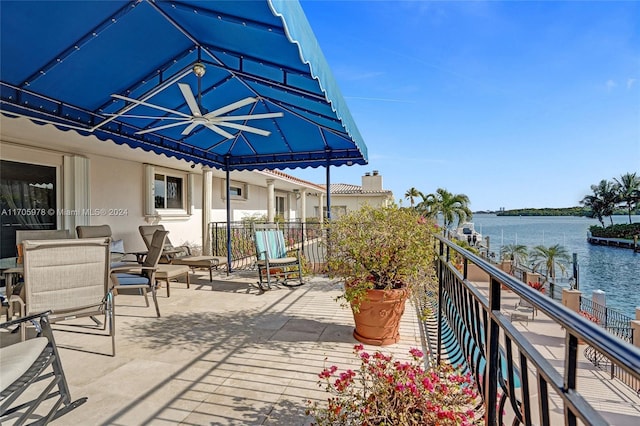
[{"x": 12, "y": 270}]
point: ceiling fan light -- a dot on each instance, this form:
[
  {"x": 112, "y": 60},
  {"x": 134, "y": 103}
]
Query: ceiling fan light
[{"x": 199, "y": 69}]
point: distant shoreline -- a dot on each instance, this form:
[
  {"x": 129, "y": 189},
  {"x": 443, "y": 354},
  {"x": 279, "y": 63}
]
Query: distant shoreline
[{"x": 566, "y": 211}]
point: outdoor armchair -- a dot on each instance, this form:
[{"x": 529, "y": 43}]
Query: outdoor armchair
[
  {"x": 15, "y": 293},
  {"x": 69, "y": 278},
  {"x": 181, "y": 255},
  {"x": 42, "y": 234},
  {"x": 525, "y": 307},
  {"x": 143, "y": 276},
  {"x": 116, "y": 247},
  {"x": 25, "y": 363},
  {"x": 274, "y": 261},
  {"x": 39, "y": 234}
]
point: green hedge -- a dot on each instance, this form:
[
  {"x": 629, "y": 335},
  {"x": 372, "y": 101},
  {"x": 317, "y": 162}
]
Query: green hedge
[{"x": 627, "y": 230}]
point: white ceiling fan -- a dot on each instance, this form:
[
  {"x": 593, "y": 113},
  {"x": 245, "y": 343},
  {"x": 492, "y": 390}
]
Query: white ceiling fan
[{"x": 213, "y": 120}]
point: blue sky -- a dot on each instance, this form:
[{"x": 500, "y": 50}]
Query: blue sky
[{"x": 515, "y": 104}]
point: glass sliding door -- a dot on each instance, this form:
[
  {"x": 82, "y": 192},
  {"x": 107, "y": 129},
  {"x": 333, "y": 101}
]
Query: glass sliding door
[{"x": 28, "y": 195}]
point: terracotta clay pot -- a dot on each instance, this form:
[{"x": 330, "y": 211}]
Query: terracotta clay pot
[
  {"x": 272, "y": 271},
  {"x": 378, "y": 321}
]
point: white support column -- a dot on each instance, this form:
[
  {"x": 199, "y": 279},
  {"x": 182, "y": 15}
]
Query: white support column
[
  {"x": 271, "y": 201},
  {"x": 303, "y": 206},
  {"x": 76, "y": 195},
  {"x": 190, "y": 194},
  {"x": 148, "y": 191},
  {"x": 207, "y": 204},
  {"x": 321, "y": 206}
]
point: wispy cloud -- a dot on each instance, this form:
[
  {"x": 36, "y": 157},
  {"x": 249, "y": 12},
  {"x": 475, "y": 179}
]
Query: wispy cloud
[
  {"x": 366, "y": 75},
  {"x": 362, "y": 98},
  {"x": 630, "y": 82},
  {"x": 354, "y": 75},
  {"x": 610, "y": 85}
]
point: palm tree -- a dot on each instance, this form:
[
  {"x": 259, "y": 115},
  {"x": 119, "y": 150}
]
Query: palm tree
[
  {"x": 596, "y": 206},
  {"x": 443, "y": 202},
  {"x": 411, "y": 195},
  {"x": 608, "y": 192},
  {"x": 628, "y": 187},
  {"x": 549, "y": 258},
  {"x": 604, "y": 198},
  {"x": 516, "y": 252}
]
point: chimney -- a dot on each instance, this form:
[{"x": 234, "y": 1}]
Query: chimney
[{"x": 372, "y": 182}]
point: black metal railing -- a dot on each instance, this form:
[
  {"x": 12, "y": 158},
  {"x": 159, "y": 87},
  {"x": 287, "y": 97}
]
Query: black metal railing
[
  {"x": 309, "y": 237},
  {"x": 607, "y": 317},
  {"x": 474, "y": 333},
  {"x": 617, "y": 324},
  {"x": 553, "y": 286},
  {"x": 507, "y": 367}
]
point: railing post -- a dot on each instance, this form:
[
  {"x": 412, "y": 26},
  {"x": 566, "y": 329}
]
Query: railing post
[
  {"x": 465, "y": 268},
  {"x": 570, "y": 373},
  {"x": 635, "y": 328},
  {"x": 440, "y": 301},
  {"x": 492, "y": 345},
  {"x": 571, "y": 299}
]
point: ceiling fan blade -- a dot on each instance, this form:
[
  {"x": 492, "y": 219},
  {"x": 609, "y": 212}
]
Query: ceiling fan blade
[
  {"x": 150, "y": 117},
  {"x": 231, "y": 107},
  {"x": 219, "y": 131},
  {"x": 244, "y": 128},
  {"x": 166, "y": 126},
  {"x": 191, "y": 100},
  {"x": 190, "y": 128},
  {"x": 247, "y": 117},
  {"x": 138, "y": 102}
]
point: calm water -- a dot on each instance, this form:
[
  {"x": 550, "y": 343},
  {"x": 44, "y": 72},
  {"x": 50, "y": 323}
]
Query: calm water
[{"x": 616, "y": 271}]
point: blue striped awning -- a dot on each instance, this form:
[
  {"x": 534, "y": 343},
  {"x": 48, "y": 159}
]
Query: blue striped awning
[{"x": 124, "y": 71}]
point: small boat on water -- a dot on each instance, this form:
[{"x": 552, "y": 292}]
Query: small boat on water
[{"x": 467, "y": 232}]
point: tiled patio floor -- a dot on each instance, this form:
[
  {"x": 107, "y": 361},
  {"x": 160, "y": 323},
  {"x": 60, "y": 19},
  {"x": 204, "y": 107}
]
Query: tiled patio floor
[
  {"x": 225, "y": 353},
  {"x": 222, "y": 354}
]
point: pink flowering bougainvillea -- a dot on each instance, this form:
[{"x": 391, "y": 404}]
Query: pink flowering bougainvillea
[
  {"x": 384, "y": 391},
  {"x": 590, "y": 317},
  {"x": 537, "y": 286}
]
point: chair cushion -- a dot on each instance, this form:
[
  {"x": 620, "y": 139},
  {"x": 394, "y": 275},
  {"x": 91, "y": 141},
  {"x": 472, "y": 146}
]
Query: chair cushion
[
  {"x": 282, "y": 261},
  {"x": 117, "y": 246},
  {"x": 18, "y": 358},
  {"x": 171, "y": 271},
  {"x": 200, "y": 261},
  {"x": 131, "y": 279}
]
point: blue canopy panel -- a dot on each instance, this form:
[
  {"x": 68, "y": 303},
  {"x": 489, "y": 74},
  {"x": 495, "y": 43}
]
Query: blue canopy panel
[{"x": 119, "y": 70}]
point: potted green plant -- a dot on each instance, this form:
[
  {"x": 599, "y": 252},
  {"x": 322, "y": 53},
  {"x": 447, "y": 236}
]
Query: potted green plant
[{"x": 381, "y": 254}]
